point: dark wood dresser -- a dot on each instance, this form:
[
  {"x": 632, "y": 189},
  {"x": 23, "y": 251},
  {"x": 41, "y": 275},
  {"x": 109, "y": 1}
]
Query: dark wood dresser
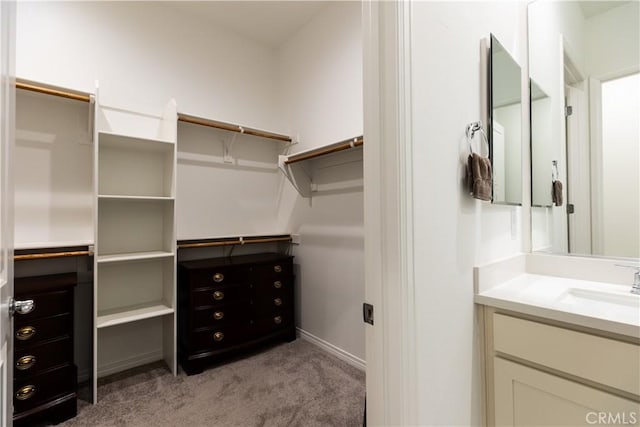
[
  {"x": 44, "y": 374},
  {"x": 227, "y": 305}
]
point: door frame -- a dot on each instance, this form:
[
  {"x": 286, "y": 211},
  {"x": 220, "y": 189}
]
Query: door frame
[
  {"x": 7, "y": 130},
  {"x": 388, "y": 195}
]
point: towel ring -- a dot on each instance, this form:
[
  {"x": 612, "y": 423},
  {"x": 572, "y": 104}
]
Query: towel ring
[{"x": 471, "y": 130}]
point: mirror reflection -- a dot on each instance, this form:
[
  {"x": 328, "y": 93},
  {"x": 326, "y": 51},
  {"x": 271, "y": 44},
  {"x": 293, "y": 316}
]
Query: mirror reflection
[
  {"x": 584, "y": 63},
  {"x": 543, "y": 154},
  {"x": 505, "y": 133}
]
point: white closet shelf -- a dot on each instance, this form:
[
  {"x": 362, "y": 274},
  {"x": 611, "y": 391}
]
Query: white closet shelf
[
  {"x": 134, "y": 256},
  {"x": 134, "y": 313},
  {"x": 299, "y": 168},
  {"x": 125, "y": 197},
  {"x": 116, "y": 140},
  {"x": 53, "y": 244}
]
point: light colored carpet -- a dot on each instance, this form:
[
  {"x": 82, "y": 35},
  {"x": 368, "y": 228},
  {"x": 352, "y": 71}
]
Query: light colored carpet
[{"x": 293, "y": 384}]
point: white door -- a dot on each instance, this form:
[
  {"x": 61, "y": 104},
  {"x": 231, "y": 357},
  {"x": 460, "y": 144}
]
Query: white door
[{"x": 7, "y": 109}]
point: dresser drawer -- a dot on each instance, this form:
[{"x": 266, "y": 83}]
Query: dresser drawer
[
  {"x": 46, "y": 304},
  {"x": 603, "y": 360},
  {"x": 221, "y": 315},
  {"x": 219, "y": 338},
  {"x": 276, "y": 302},
  {"x": 263, "y": 273},
  {"x": 219, "y": 295},
  {"x": 27, "y": 332},
  {"x": 273, "y": 287},
  {"x": 30, "y": 392},
  {"x": 40, "y": 357},
  {"x": 269, "y": 323},
  {"x": 217, "y": 276}
]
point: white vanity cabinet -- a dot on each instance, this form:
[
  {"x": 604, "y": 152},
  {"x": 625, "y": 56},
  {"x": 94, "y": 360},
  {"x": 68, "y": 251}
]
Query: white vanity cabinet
[{"x": 547, "y": 373}]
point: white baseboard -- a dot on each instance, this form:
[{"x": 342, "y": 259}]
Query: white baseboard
[
  {"x": 124, "y": 364},
  {"x": 332, "y": 349}
]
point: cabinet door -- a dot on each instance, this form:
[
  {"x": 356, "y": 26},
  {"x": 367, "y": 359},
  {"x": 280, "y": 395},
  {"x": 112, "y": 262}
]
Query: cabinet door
[{"x": 527, "y": 397}]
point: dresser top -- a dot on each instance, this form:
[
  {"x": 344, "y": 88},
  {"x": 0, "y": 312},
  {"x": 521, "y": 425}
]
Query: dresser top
[
  {"x": 50, "y": 282},
  {"x": 234, "y": 260}
]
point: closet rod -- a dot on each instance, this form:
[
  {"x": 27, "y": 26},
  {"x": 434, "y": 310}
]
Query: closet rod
[
  {"x": 234, "y": 241},
  {"x": 50, "y": 255},
  {"x": 340, "y": 146},
  {"x": 231, "y": 127},
  {"x": 54, "y": 92}
]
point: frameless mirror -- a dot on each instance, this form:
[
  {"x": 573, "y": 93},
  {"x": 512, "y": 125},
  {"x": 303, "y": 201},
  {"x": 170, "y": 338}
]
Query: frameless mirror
[
  {"x": 505, "y": 125},
  {"x": 584, "y": 57}
]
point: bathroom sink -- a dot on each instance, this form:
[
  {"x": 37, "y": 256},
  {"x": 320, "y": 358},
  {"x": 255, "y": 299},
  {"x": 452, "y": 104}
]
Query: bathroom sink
[
  {"x": 625, "y": 306},
  {"x": 628, "y": 299}
]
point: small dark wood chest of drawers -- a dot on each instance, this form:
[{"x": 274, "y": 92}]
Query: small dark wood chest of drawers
[
  {"x": 227, "y": 305},
  {"x": 44, "y": 373}
]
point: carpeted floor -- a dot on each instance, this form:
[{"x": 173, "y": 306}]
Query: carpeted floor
[{"x": 294, "y": 384}]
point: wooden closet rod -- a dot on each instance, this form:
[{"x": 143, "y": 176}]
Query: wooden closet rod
[
  {"x": 49, "y": 255},
  {"x": 54, "y": 92},
  {"x": 340, "y": 146},
  {"x": 234, "y": 241},
  {"x": 231, "y": 127}
]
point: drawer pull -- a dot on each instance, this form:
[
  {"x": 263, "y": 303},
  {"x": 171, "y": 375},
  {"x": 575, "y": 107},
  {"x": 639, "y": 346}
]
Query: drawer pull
[
  {"x": 218, "y": 315},
  {"x": 277, "y": 302},
  {"x": 277, "y": 320},
  {"x": 26, "y": 392},
  {"x": 218, "y": 336},
  {"x": 22, "y": 307},
  {"x": 218, "y": 277},
  {"x": 277, "y": 268},
  {"x": 277, "y": 284},
  {"x": 218, "y": 295},
  {"x": 25, "y": 333},
  {"x": 25, "y": 362}
]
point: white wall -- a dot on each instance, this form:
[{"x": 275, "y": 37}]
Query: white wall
[
  {"x": 53, "y": 172},
  {"x": 216, "y": 199},
  {"x": 613, "y": 41},
  {"x": 452, "y": 231},
  {"x": 209, "y": 71},
  {"x": 321, "y": 79},
  {"x": 621, "y": 175}
]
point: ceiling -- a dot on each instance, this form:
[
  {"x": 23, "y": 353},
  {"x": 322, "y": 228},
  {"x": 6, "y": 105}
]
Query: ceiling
[
  {"x": 593, "y": 8},
  {"x": 268, "y": 22}
]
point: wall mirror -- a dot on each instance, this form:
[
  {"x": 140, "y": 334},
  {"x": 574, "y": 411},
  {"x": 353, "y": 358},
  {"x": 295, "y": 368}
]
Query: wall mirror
[
  {"x": 584, "y": 65},
  {"x": 505, "y": 125}
]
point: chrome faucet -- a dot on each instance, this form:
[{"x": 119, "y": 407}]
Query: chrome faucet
[{"x": 635, "y": 288}]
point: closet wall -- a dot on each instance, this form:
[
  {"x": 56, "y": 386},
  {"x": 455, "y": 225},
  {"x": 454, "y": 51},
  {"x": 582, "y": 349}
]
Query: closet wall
[
  {"x": 53, "y": 201},
  {"x": 145, "y": 53},
  {"x": 321, "y": 78}
]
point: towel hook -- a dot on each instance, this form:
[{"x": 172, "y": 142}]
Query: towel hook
[
  {"x": 554, "y": 170},
  {"x": 471, "y": 130}
]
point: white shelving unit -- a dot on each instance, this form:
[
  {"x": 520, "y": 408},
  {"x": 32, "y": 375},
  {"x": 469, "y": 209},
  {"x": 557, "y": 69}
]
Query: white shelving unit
[
  {"x": 135, "y": 239},
  {"x": 325, "y": 168}
]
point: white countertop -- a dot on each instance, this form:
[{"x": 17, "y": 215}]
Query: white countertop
[{"x": 597, "y": 305}]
